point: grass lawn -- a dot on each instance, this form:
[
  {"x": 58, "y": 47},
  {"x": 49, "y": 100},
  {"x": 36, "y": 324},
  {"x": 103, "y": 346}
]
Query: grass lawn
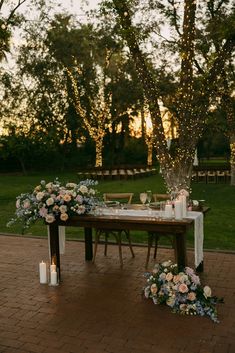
[{"x": 219, "y": 222}]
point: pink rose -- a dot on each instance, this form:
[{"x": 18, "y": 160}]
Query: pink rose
[
  {"x": 26, "y": 204},
  {"x": 191, "y": 296},
  {"x": 176, "y": 279},
  {"x": 79, "y": 199},
  {"x": 43, "y": 212},
  {"x": 169, "y": 276},
  {"x": 183, "y": 288},
  {"x": 195, "y": 279},
  {"x": 189, "y": 271},
  {"x": 67, "y": 198}
]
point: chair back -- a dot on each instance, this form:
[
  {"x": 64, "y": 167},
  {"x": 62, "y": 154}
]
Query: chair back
[
  {"x": 161, "y": 197},
  {"x": 124, "y": 196}
]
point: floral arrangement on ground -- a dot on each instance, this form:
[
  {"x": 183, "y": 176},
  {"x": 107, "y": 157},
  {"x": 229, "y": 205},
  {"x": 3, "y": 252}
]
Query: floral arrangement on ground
[
  {"x": 180, "y": 290},
  {"x": 55, "y": 201}
]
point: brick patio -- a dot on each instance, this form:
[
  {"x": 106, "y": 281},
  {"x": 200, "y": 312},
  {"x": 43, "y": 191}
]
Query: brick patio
[{"x": 98, "y": 308}]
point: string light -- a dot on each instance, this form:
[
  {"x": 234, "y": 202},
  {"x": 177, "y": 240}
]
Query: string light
[{"x": 100, "y": 115}]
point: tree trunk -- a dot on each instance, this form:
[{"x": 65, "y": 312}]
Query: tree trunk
[
  {"x": 150, "y": 152},
  {"x": 232, "y": 158},
  {"x": 23, "y": 166},
  {"x": 98, "y": 151}
]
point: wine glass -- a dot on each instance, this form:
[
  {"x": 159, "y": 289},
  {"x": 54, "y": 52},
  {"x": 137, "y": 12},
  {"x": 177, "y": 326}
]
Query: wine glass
[
  {"x": 143, "y": 197},
  {"x": 149, "y": 196}
]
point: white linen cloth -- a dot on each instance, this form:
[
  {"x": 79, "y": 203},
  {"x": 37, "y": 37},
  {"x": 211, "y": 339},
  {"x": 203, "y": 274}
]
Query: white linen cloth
[
  {"x": 196, "y": 216},
  {"x": 198, "y": 235}
]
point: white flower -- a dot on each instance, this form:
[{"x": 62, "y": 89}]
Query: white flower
[
  {"x": 50, "y": 218},
  {"x": 64, "y": 216},
  {"x": 39, "y": 195},
  {"x": 162, "y": 276},
  {"x": 92, "y": 192},
  {"x": 50, "y": 201},
  {"x": 83, "y": 189},
  {"x": 71, "y": 185},
  {"x": 63, "y": 208},
  {"x": 26, "y": 203},
  {"x": 18, "y": 203},
  {"x": 166, "y": 263},
  {"x": 207, "y": 292},
  {"x": 81, "y": 209}
]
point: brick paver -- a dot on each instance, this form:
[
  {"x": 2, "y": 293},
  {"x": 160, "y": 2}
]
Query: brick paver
[{"x": 98, "y": 308}]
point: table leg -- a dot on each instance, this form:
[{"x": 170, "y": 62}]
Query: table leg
[
  {"x": 88, "y": 244},
  {"x": 55, "y": 247},
  {"x": 180, "y": 250}
]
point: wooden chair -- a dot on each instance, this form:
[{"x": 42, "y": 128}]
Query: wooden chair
[
  {"x": 202, "y": 176},
  {"x": 121, "y": 197},
  {"x": 211, "y": 176},
  {"x": 155, "y": 237},
  {"x": 161, "y": 197},
  {"x": 221, "y": 176}
]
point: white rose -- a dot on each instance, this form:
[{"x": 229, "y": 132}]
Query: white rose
[
  {"x": 92, "y": 192},
  {"x": 39, "y": 195},
  {"x": 50, "y": 201},
  {"x": 71, "y": 185},
  {"x": 63, "y": 208},
  {"x": 207, "y": 291},
  {"x": 50, "y": 218},
  {"x": 162, "y": 276},
  {"x": 83, "y": 189}
]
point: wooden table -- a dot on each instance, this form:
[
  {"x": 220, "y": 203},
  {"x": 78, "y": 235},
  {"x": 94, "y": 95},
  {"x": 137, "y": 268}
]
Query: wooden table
[{"x": 176, "y": 228}]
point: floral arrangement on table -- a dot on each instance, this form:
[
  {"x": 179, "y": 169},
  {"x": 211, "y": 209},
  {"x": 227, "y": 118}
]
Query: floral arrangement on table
[
  {"x": 55, "y": 201},
  {"x": 180, "y": 290}
]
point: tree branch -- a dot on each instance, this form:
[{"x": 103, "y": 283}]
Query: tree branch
[{"x": 12, "y": 13}]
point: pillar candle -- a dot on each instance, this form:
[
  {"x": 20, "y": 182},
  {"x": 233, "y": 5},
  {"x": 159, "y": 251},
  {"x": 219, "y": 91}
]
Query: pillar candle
[
  {"x": 178, "y": 209},
  {"x": 53, "y": 278},
  {"x": 43, "y": 272},
  {"x": 168, "y": 211},
  {"x": 52, "y": 267},
  {"x": 184, "y": 205}
]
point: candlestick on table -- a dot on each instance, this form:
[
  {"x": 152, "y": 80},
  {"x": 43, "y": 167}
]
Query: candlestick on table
[
  {"x": 168, "y": 211},
  {"x": 183, "y": 199},
  {"x": 178, "y": 209}
]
